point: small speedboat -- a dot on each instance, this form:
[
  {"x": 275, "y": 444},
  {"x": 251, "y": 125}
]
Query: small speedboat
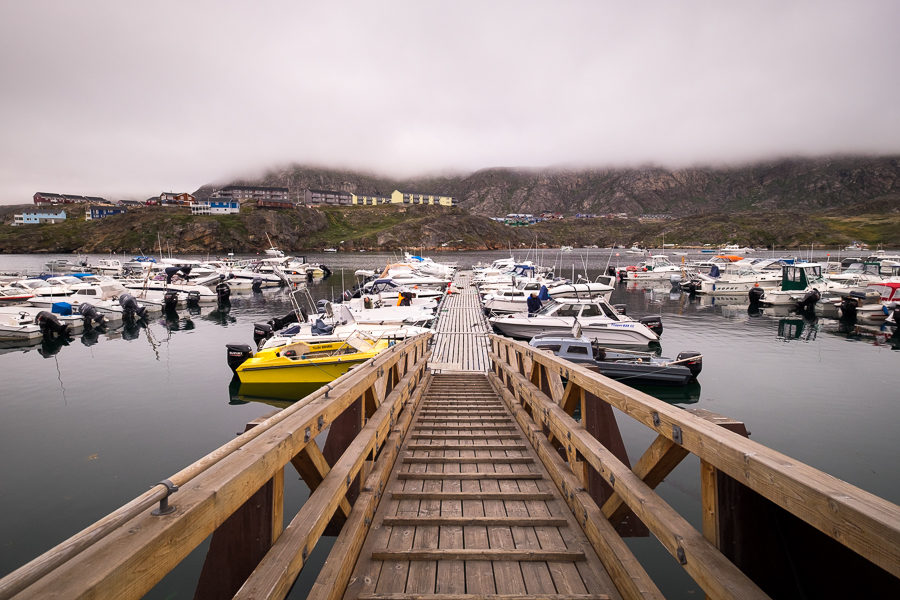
[
  {"x": 307, "y": 364},
  {"x": 630, "y": 367}
]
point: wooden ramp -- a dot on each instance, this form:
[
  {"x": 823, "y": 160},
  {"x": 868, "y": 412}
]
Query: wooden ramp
[
  {"x": 461, "y": 330},
  {"x": 470, "y": 510}
]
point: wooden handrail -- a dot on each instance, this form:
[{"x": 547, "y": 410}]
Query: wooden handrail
[
  {"x": 210, "y": 490},
  {"x": 865, "y": 523}
]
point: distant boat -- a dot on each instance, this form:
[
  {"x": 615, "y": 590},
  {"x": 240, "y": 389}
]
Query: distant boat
[
  {"x": 330, "y": 250},
  {"x": 565, "y": 248}
]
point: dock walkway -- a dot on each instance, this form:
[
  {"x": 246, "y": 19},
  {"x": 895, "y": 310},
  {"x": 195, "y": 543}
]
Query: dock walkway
[
  {"x": 461, "y": 330},
  {"x": 470, "y": 510}
]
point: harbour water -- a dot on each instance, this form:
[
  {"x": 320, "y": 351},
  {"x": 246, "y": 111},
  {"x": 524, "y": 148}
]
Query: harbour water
[{"x": 86, "y": 426}]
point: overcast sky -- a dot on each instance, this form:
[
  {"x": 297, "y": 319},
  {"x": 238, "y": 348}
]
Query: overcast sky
[{"x": 127, "y": 99}]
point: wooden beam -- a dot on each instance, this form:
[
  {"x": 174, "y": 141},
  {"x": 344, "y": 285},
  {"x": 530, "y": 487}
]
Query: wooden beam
[
  {"x": 865, "y": 523},
  {"x": 709, "y": 568},
  {"x": 310, "y": 463}
]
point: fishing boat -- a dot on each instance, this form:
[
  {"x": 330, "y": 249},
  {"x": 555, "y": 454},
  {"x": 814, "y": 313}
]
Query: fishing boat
[
  {"x": 630, "y": 367},
  {"x": 599, "y": 320},
  {"x": 309, "y": 365}
]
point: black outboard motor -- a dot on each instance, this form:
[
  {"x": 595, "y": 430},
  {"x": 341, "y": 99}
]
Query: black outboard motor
[
  {"x": 261, "y": 331},
  {"x": 320, "y": 305},
  {"x": 756, "y": 294},
  {"x": 808, "y": 302},
  {"x": 848, "y": 308},
  {"x": 170, "y": 273},
  {"x": 91, "y": 314},
  {"x": 193, "y": 298},
  {"x": 237, "y": 354},
  {"x": 130, "y": 307},
  {"x": 170, "y": 301},
  {"x": 256, "y": 286},
  {"x": 50, "y": 325},
  {"x": 223, "y": 292},
  {"x": 654, "y": 324},
  {"x": 279, "y": 322},
  {"x": 692, "y": 360},
  {"x": 326, "y": 272},
  {"x": 611, "y": 271}
]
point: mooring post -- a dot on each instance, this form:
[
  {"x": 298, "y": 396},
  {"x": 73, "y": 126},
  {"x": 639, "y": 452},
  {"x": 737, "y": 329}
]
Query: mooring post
[
  {"x": 599, "y": 420},
  {"x": 243, "y": 539}
]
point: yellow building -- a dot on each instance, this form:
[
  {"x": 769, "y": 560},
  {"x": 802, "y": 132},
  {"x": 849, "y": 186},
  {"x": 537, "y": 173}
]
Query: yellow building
[
  {"x": 399, "y": 197},
  {"x": 369, "y": 200}
]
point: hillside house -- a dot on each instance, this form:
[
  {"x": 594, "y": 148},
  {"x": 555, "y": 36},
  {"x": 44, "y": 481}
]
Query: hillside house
[
  {"x": 38, "y": 217},
  {"x": 398, "y": 197},
  {"x": 98, "y": 212},
  {"x": 250, "y": 192},
  {"x": 216, "y": 206},
  {"x": 330, "y": 197},
  {"x": 175, "y": 198}
]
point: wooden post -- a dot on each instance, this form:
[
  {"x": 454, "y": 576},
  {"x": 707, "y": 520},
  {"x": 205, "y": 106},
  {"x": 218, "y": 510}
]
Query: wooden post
[
  {"x": 243, "y": 539},
  {"x": 342, "y": 432},
  {"x": 598, "y": 419}
]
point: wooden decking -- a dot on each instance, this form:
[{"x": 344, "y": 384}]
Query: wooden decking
[
  {"x": 470, "y": 510},
  {"x": 461, "y": 330}
]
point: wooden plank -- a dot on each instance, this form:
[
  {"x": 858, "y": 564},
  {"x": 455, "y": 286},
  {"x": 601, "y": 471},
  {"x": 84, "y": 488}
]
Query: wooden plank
[
  {"x": 459, "y": 496},
  {"x": 469, "y": 475},
  {"x": 440, "y": 447},
  {"x": 486, "y": 521},
  {"x": 484, "y": 597},
  {"x": 310, "y": 463},
  {"x": 480, "y": 554},
  {"x": 467, "y": 459}
]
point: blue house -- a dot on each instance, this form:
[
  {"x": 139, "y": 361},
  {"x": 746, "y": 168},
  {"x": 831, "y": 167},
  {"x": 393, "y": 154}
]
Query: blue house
[
  {"x": 41, "y": 216},
  {"x": 98, "y": 212}
]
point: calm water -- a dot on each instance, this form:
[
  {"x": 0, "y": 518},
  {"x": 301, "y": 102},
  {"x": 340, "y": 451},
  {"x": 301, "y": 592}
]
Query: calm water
[{"x": 87, "y": 426}]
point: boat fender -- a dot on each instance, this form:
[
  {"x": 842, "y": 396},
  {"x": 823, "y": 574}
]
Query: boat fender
[
  {"x": 50, "y": 325},
  {"x": 237, "y": 354},
  {"x": 695, "y": 365}
]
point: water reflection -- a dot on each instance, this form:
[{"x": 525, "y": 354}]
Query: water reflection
[
  {"x": 673, "y": 394},
  {"x": 798, "y": 328},
  {"x": 280, "y": 395}
]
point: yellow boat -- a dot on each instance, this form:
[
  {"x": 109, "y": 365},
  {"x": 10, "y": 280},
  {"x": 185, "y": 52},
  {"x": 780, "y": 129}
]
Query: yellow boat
[{"x": 307, "y": 365}]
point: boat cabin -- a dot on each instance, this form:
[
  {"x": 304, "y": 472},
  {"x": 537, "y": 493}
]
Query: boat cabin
[{"x": 800, "y": 276}]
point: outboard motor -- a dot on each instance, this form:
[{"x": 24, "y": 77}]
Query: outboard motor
[
  {"x": 279, "y": 322},
  {"x": 808, "y": 303},
  {"x": 755, "y": 295},
  {"x": 320, "y": 305},
  {"x": 893, "y": 313},
  {"x": 256, "y": 286},
  {"x": 654, "y": 324},
  {"x": 223, "y": 292},
  {"x": 261, "y": 331},
  {"x": 170, "y": 273},
  {"x": 326, "y": 271},
  {"x": 170, "y": 301},
  {"x": 237, "y": 354},
  {"x": 50, "y": 325},
  {"x": 848, "y": 309},
  {"x": 193, "y": 298},
  {"x": 675, "y": 282},
  {"x": 611, "y": 271},
  {"x": 692, "y": 360},
  {"x": 130, "y": 307},
  {"x": 91, "y": 314}
]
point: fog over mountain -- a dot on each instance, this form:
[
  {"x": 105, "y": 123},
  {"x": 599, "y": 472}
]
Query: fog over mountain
[{"x": 128, "y": 100}]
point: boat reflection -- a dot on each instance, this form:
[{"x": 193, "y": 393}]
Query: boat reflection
[
  {"x": 673, "y": 394},
  {"x": 280, "y": 395}
]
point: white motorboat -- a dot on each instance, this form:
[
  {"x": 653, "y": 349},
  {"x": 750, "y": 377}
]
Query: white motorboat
[
  {"x": 656, "y": 267},
  {"x": 512, "y": 300},
  {"x": 735, "y": 278},
  {"x": 599, "y": 321},
  {"x": 802, "y": 286}
]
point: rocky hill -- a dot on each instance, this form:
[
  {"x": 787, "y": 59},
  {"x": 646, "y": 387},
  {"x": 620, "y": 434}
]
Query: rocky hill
[{"x": 840, "y": 184}]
